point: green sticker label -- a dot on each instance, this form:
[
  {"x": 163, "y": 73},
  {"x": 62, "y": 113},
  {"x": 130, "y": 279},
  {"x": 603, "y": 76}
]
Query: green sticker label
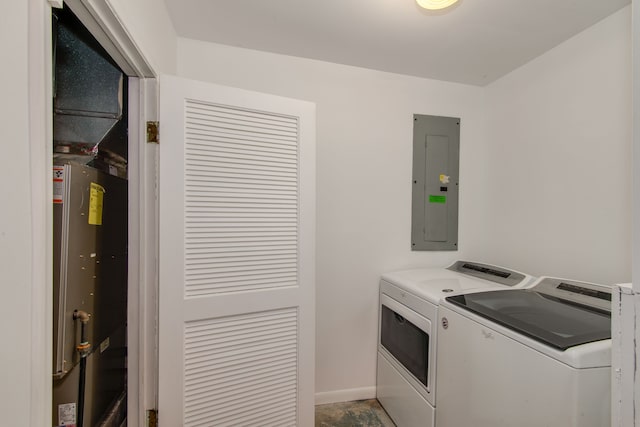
[{"x": 437, "y": 199}]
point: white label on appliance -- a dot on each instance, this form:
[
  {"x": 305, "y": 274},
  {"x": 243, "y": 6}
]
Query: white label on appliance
[
  {"x": 104, "y": 345},
  {"x": 58, "y": 184},
  {"x": 67, "y": 414}
]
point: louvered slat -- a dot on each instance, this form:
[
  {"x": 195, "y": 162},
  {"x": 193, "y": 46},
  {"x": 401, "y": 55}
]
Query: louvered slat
[
  {"x": 241, "y": 200},
  {"x": 242, "y": 370}
]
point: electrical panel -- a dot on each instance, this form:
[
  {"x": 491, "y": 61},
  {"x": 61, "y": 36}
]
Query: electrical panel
[{"x": 436, "y": 157}]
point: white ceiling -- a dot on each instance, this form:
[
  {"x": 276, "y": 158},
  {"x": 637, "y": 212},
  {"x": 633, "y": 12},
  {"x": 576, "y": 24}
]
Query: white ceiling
[{"x": 475, "y": 42}]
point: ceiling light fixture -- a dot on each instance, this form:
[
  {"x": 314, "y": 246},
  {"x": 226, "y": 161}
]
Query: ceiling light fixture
[{"x": 435, "y": 4}]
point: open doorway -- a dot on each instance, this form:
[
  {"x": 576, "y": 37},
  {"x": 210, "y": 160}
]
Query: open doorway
[{"x": 90, "y": 286}]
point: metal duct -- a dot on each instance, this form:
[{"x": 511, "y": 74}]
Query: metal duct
[{"x": 88, "y": 95}]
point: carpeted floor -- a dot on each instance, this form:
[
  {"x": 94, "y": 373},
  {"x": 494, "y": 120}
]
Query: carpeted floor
[{"x": 360, "y": 413}]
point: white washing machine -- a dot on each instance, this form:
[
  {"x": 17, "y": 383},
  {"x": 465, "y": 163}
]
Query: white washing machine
[
  {"x": 526, "y": 357},
  {"x": 407, "y": 333}
]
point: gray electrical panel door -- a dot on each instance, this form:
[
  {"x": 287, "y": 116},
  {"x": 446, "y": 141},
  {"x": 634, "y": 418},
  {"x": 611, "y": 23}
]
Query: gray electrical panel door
[{"x": 436, "y": 154}]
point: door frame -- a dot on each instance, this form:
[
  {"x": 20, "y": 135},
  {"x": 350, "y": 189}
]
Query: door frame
[{"x": 108, "y": 29}]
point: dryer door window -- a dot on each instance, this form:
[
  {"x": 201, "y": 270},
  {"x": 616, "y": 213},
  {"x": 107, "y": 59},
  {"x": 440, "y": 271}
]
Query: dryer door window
[{"x": 406, "y": 342}]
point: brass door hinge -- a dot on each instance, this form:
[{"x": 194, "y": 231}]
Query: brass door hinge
[
  {"x": 152, "y": 418},
  {"x": 153, "y": 134}
]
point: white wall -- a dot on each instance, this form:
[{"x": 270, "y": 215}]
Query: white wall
[
  {"x": 557, "y": 185},
  {"x": 22, "y": 373},
  {"x": 15, "y": 222},
  {"x": 364, "y": 141},
  {"x": 149, "y": 24}
]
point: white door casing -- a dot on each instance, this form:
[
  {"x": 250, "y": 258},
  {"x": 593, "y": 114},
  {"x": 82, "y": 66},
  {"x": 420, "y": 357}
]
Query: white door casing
[{"x": 237, "y": 250}]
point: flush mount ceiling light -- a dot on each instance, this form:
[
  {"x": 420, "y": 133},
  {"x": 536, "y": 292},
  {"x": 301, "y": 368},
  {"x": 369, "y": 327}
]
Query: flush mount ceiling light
[{"x": 435, "y": 4}]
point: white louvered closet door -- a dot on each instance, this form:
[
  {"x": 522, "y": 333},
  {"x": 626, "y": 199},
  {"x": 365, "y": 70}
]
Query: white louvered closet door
[{"x": 237, "y": 221}]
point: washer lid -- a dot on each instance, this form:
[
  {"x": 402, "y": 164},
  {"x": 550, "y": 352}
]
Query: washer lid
[{"x": 558, "y": 322}]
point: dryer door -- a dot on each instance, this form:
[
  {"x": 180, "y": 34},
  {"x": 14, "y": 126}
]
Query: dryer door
[
  {"x": 406, "y": 342},
  {"x": 406, "y": 336}
]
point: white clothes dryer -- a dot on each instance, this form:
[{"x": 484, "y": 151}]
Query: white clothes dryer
[
  {"x": 407, "y": 341},
  {"x": 526, "y": 357}
]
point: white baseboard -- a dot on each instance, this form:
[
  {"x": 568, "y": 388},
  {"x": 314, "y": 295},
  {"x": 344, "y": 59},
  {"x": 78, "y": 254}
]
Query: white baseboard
[{"x": 345, "y": 395}]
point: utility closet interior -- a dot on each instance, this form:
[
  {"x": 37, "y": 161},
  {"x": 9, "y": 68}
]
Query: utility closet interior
[{"x": 90, "y": 209}]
